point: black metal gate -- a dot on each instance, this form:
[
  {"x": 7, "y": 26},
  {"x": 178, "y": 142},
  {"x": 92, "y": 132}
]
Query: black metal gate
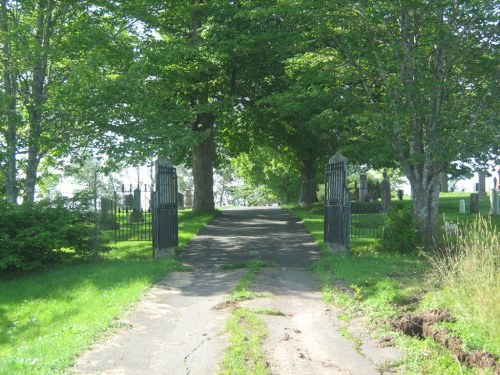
[
  {"x": 367, "y": 219},
  {"x": 337, "y": 204},
  {"x": 131, "y": 216}
]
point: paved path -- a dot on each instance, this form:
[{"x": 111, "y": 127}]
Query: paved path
[{"x": 174, "y": 329}]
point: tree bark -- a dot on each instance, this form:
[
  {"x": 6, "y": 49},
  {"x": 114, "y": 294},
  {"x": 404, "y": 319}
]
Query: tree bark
[
  {"x": 35, "y": 102},
  {"x": 10, "y": 112},
  {"x": 203, "y": 165},
  {"x": 308, "y": 184},
  {"x": 424, "y": 182}
]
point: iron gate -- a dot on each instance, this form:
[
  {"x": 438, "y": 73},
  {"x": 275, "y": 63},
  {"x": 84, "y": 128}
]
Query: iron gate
[
  {"x": 367, "y": 219},
  {"x": 129, "y": 214}
]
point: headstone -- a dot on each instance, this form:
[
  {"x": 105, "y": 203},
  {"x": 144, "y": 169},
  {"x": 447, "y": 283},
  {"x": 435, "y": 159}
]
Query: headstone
[
  {"x": 180, "y": 200},
  {"x": 129, "y": 200},
  {"x": 136, "y": 215},
  {"x": 165, "y": 216},
  {"x": 363, "y": 188},
  {"x": 385, "y": 193},
  {"x": 495, "y": 202},
  {"x": 337, "y": 218},
  {"x": 107, "y": 214},
  {"x": 188, "y": 202},
  {"x": 461, "y": 206},
  {"x": 474, "y": 203},
  {"x": 482, "y": 184},
  {"x": 400, "y": 194}
]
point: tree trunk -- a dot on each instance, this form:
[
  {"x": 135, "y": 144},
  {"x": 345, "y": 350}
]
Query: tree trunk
[
  {"x": 443, "y": 182},
  {"x": 203, "y": 165},
  {"x": 11, "y": 192},
  {"x": 38, "y": 98},
  {"x": 308, "y": 186},
  {"x": 425, "y": 194}
]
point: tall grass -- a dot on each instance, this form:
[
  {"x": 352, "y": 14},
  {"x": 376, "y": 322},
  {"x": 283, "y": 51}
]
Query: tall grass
[{"x": 466, "y": 280}]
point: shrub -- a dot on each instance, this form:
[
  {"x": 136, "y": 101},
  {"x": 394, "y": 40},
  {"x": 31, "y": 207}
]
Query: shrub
[
  {"x": 44, "y": 234},
  {"x": 399, "y": 233}
]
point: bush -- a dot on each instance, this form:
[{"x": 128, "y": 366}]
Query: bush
[
  {"x": 399, "y": 233},
  {"x": 44, "y": 234}
]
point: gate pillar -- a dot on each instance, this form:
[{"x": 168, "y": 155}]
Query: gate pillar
[
  {"x": 337, "y": 205},
  {"x": 165, "y": 219}
]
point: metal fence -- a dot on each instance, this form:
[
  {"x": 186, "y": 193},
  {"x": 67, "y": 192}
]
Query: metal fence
[
  {"x": 128, "y": 214},
  {"x": 367, "y": 220}
]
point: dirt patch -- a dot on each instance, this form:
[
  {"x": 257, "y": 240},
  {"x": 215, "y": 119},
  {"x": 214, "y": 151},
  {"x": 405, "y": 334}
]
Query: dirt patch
[{"x": 424, "y": 325}]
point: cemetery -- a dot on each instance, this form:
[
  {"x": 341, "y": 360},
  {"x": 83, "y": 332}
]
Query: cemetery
[{"x": 249, "y": 187}]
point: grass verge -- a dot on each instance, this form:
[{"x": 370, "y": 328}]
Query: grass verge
[
  {"x": 48, "y": 317},
  {"x": 381, "y": 286},
  {"x": 465, "y": 279}
]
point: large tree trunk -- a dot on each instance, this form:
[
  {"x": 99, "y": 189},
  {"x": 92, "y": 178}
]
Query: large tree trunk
[
  {"x": 443, "y": 182},
  {"x": 9, "y": 84},
  {"x": 203, "y": 165},
  {"x": 38, "y": 97},
  {"x": 308, "y": 184},
  {"x": 424, "y": 183}
]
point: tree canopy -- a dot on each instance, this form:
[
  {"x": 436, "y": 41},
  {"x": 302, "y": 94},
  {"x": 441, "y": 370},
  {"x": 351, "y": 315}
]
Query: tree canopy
[{"x": 388, "y": 83}]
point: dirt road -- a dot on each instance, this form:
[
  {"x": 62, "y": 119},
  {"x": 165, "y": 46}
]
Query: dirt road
[{"x": 174, "y": 329}]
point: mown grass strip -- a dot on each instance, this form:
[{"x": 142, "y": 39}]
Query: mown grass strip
[
  {"x": 244, "y": 355},
  {"x": 50, "y": 316},
  {"x": 242, "y": 289},
  {"x": 246, "y": 330}
]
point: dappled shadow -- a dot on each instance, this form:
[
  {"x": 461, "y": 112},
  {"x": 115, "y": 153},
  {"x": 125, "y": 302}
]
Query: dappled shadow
[{"x": 270, "y": 234}]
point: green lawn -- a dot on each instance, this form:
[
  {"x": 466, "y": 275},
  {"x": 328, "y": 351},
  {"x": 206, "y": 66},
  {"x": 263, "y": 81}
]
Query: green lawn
[{"x": 50, "y": 316}]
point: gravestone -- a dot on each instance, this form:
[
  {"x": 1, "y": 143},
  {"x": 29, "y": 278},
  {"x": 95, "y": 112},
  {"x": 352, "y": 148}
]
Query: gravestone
[
  {"x": 337, "y": 218},
  {"x": 461, "y": 206},
  {"x": 385, "y": 193},
  {"x": 188, "y": 202},
  {"x": 165, "y": 216},
  {"x": 363, "y": 188},
  {"x": 474, "y": 203},
  {"x": 494, "y": 200},
  {"x": 482, "y": 184},
  {"x": 129, "y": 201},
  {"x": 136, "y": 215},
  {"x": 180, "y": 200},
  {"x": 400, "y": 194},
  {"x": 107, "y": 210}
]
